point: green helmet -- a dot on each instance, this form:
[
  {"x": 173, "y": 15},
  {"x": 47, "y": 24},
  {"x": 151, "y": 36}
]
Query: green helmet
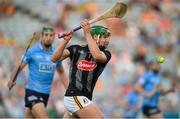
[
  {"x": 99, "y": 30},
  {"x": 47, "y": 29}
]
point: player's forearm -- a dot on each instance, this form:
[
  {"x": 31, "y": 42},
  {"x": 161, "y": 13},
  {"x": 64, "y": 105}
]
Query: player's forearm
[
  {"x": 94, "y": 49},
  {"x": 148, "y": 95},
  {"x": 59, "y": 51},
  {"x": 65, "y": 81},
  {"x": 164, "y": 92},
  {"x": 17, "y": 70},
  {"x": 140, "y": 90},
  {"x": 14, "y": 74}
]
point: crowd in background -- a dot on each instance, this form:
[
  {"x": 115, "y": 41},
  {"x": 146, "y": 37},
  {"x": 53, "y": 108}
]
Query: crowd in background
[
  {"x": 152, "y": 30},
  {"x": 7, "y": 9}
]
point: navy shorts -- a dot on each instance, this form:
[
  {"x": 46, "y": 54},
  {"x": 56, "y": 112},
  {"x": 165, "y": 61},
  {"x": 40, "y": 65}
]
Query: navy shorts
[
  {"x": 33, "y": 97},
  {"x": 149, "y": 111}
]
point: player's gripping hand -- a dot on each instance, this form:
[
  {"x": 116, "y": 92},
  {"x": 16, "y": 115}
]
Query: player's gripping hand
[
  {"x": 11, "y": 84},
  {"x": 68, "y": 35},
  {"x": 86, "y": 26}
]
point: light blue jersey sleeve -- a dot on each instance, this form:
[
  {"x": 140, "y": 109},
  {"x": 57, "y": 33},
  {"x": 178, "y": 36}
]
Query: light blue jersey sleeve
[{"x": 27, "y": 57}]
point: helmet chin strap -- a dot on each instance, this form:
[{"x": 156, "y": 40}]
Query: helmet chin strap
[{"x": 98, "y": 39}]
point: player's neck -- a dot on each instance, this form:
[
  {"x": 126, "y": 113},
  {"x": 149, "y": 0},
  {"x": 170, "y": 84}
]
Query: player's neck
[{"x": 47, "y": 48}]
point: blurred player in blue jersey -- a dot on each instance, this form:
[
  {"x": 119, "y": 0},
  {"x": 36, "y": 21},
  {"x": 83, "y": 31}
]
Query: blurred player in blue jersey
[
  {"x": 41, "y": 72},
  {"x": 148, "y": 86},
  {"x": 132, "y": 105}
]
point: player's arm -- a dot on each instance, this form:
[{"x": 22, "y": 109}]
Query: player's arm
[
  {"x": 61, "y": 52},
  {"x": 97, "y": 54},
  {"x": 164, "y": 92},
  {"x": 25, "y": 60},
  {"x": 150, "y": 94},
  {"x": 139, "y": 88},
  {"x": 17, "y": 70},
  {"x": 63, "y": 77}
]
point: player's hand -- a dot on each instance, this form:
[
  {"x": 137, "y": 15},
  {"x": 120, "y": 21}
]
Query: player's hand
[
  {"x": 157, "y": 87},
  {"x": 86, "y": 26},
  {"x": 11, "y": 84},
  {"x": 36, "y": 36},
  {"x": 149, "y": 95},
  {"x": 68, "y": 35}
]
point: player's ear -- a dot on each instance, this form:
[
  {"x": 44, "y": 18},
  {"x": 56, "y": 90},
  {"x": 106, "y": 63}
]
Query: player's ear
[{"x": 95, "y": 37}]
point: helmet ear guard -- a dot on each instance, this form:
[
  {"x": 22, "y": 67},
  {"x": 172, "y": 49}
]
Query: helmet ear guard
[{"x": 98, "y": 38}]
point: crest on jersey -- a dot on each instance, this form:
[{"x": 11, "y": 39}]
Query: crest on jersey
[{"x": 86, "y": 65}]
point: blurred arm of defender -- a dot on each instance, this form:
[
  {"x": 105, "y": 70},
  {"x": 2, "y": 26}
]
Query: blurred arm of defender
[
  {"x": 97, "y": 54},
  {"x": 62, "y": 53}
]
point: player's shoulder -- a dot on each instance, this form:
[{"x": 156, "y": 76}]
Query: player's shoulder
[
  {"x": 83, "y": 45},
  {"x": 148, "y": 74},
  {"x": 106, "y": 50},
  {"x": 54, "y": 48},
  {"x": 75, "y": 46},
  {"x": 36, "y": 47}
]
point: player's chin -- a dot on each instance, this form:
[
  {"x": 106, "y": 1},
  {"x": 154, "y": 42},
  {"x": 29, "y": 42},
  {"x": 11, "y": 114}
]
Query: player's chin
[
  {"x": 102, "y": 47},
  {"x": 47, "y": 44}
]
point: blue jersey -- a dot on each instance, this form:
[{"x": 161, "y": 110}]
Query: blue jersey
[
  {"x": 41, "y": 68},
  {"x": 133, "y": 99},
  {"x": 149, "y": 81}
]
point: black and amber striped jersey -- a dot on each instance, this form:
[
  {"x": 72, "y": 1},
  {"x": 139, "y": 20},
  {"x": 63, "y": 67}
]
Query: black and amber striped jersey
[{"x": 84, "y": 71}]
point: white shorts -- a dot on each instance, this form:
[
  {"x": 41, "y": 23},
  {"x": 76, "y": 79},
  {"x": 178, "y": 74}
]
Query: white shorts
[{"x": 75, "y": 103}]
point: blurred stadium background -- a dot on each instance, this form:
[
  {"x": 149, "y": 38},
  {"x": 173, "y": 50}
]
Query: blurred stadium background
[{"x": 150, "y": 28}]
